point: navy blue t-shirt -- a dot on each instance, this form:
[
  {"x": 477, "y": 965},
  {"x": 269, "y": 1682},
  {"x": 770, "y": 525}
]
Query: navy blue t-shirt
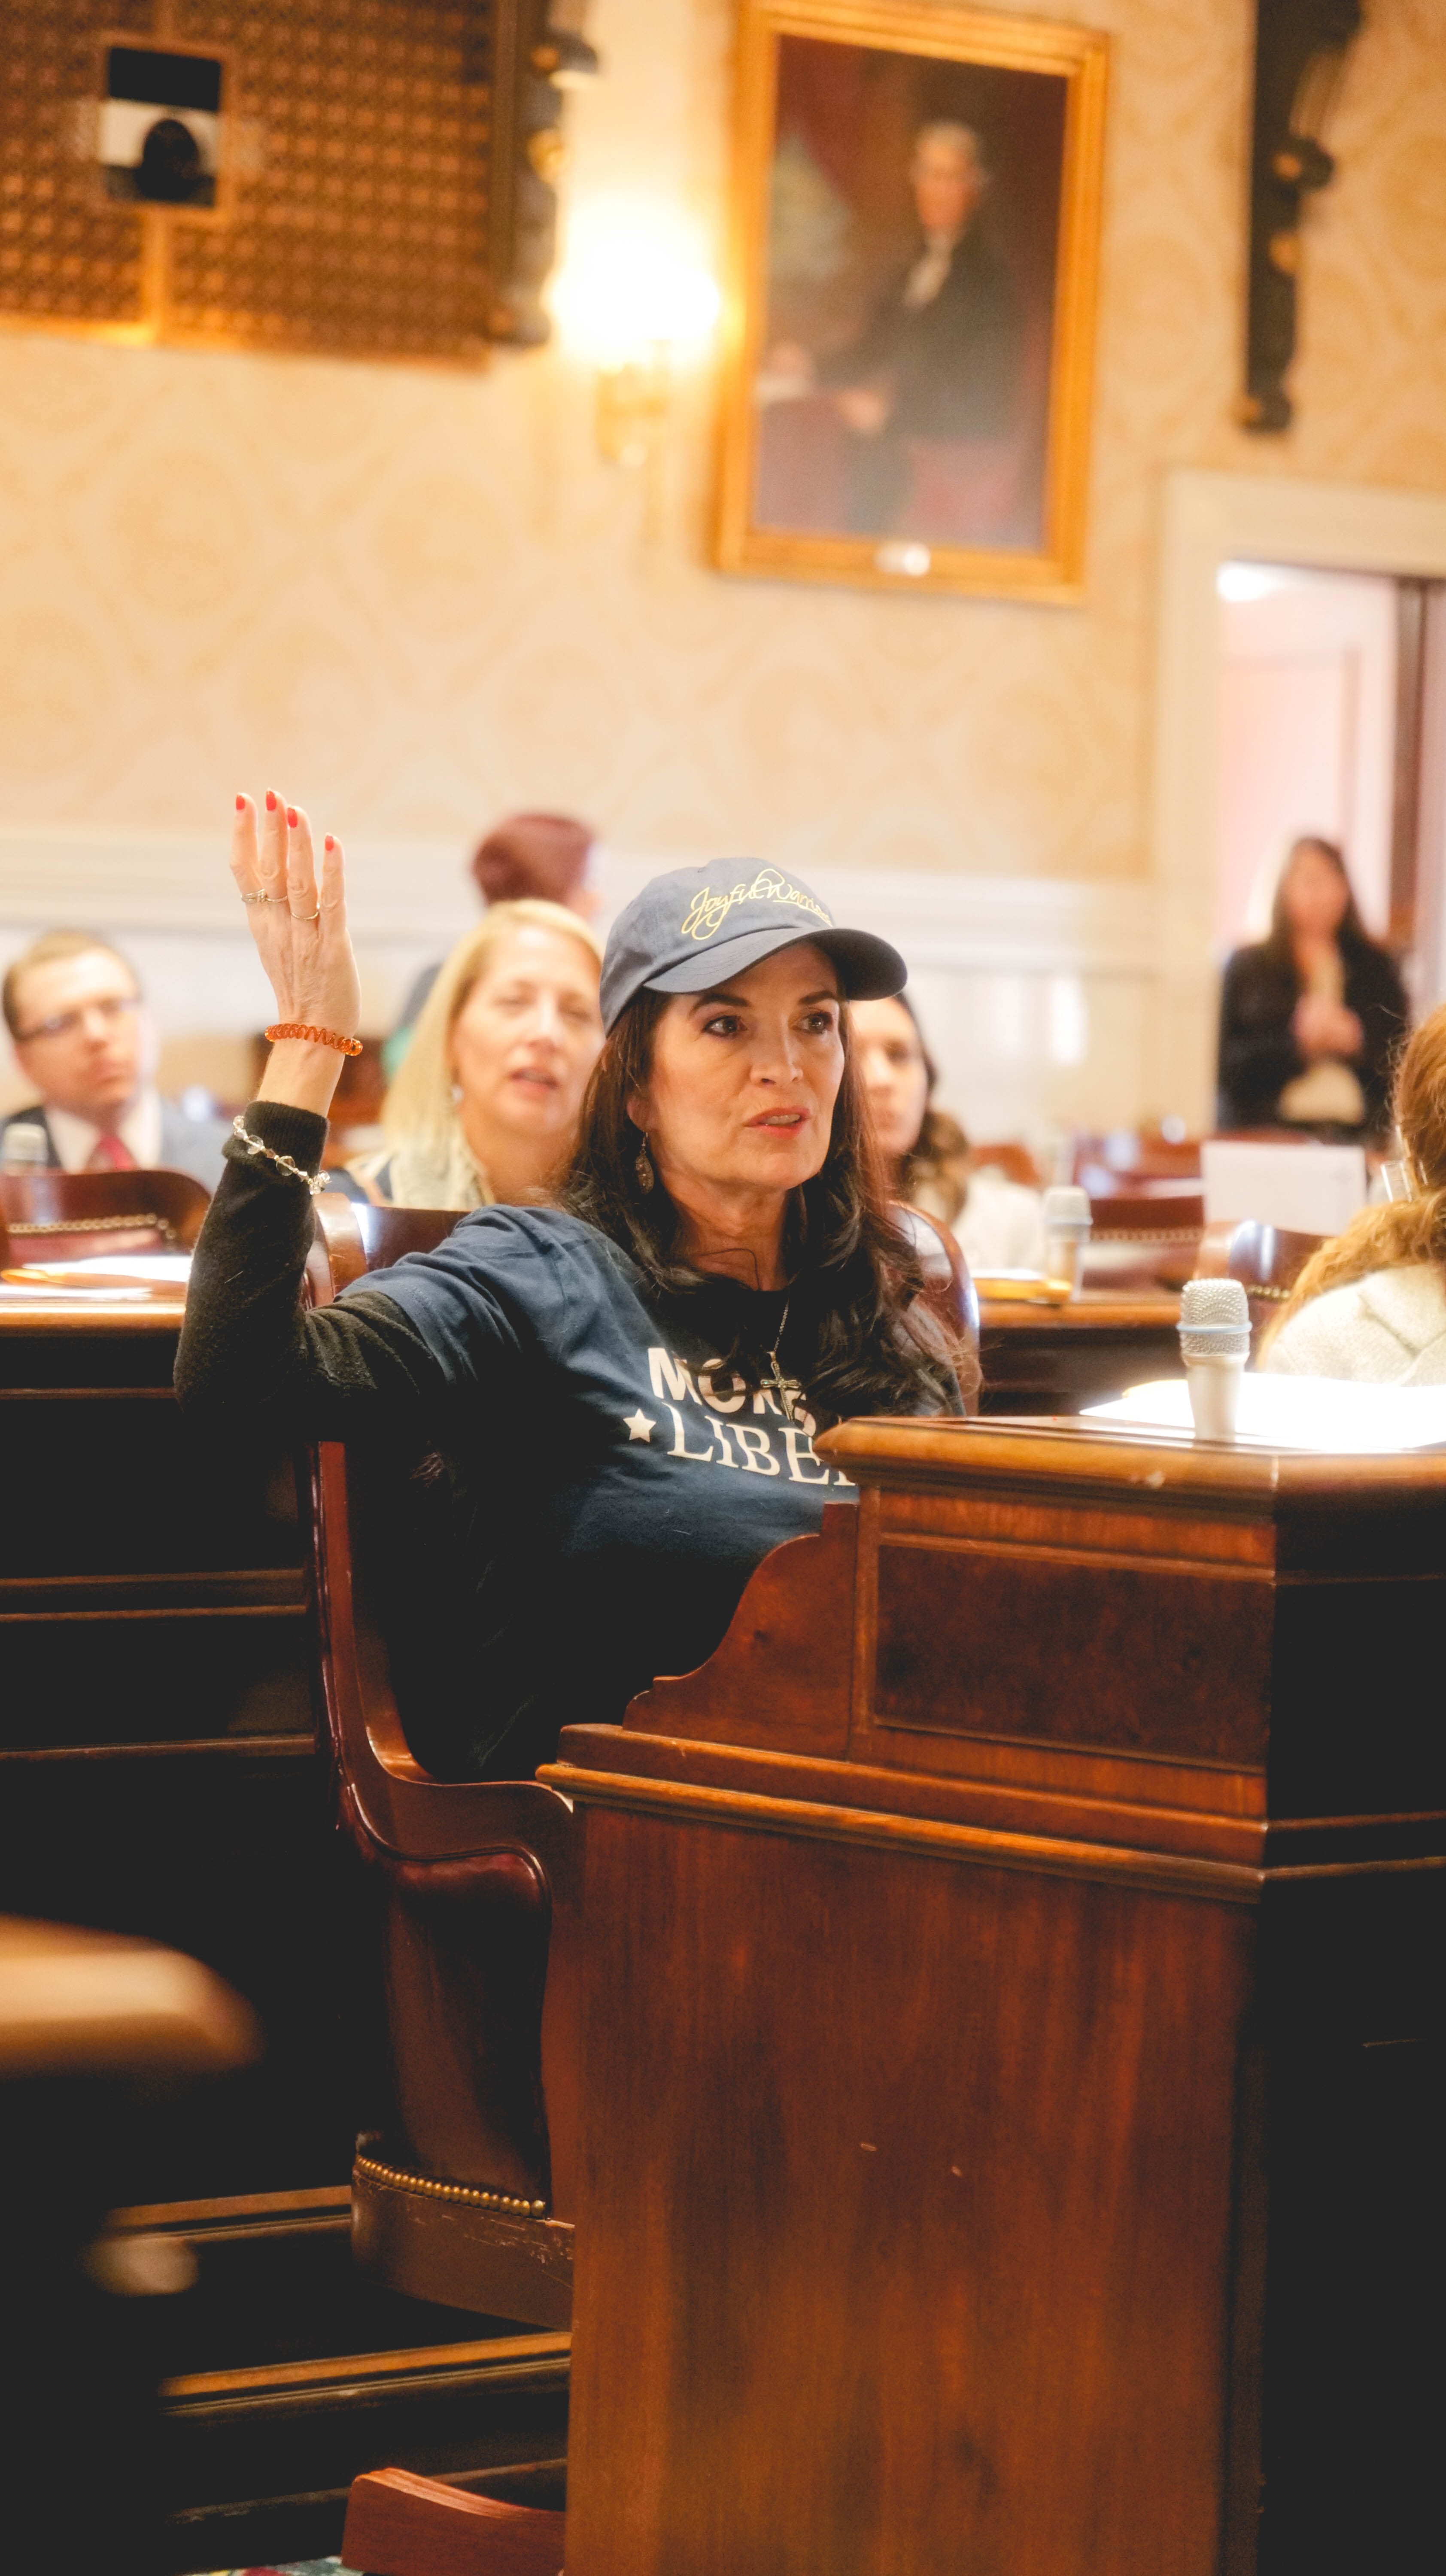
[
  {"x": 561, "y": 1489},
  {"x": 617, "y": 1484}
]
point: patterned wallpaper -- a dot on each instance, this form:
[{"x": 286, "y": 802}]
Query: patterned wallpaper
[{"x": 417, "y": 598}]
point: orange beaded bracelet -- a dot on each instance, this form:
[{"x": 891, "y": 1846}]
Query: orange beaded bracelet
[{"x": 314, "y": 1037}]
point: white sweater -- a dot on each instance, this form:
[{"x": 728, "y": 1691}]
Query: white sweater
[
  {"x": 1389, "y": 1328},
  {"x": 1001, "y": 1224}
]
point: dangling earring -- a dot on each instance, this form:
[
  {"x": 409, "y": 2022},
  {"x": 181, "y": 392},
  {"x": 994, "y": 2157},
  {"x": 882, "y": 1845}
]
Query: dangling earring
[{"x": 644, "y": 1168}]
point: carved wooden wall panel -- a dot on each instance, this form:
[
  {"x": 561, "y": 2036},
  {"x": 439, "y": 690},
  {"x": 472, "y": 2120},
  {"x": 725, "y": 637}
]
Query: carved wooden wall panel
[
  {"x": 66, "y": 253},
  {"x": 354, "y": 212}
]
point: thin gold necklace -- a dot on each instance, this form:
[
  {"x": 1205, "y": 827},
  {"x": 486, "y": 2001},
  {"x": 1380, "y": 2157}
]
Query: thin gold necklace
[{"x": 785, "y": 1390}]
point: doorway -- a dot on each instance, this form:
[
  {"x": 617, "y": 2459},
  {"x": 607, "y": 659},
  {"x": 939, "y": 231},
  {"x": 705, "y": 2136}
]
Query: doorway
[
  {"x": 1278, "y": 523},
  {"x": 1330, "y": 709}
]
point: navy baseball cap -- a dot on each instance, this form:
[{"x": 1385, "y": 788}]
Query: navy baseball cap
[{"x": 695, "y": 927}]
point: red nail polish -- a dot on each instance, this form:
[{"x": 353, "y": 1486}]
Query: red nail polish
[
  {"x": 270, "y": 802},
  {"x": 330, "y": 843},
  {"x": 291, "y": 816},
  {"x": 240, "y": 804}
]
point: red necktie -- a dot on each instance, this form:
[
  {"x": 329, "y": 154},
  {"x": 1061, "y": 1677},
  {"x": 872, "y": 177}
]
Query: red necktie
[{"x": 111, "y": 1154}]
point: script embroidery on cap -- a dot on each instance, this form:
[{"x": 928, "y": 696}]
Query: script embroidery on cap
[{"x": 708, "y": 911}]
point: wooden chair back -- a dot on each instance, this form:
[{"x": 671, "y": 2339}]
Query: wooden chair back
[
  {"x": 1148, "y": 1212},
  {"x": 478, "y": 1876},
  {"x": 1144, "y": 1241},
  {"x": 353, "y": 1236},
  {"x": 80, "y": 1216},
  {"x": 1011, "y": 1158},
  {"x": 463, "y": 2197},
  {"x": 1266, "y": 1259},
  {"x": 948, "y": 1287},
  {"x": 1134, "y": 1160}
]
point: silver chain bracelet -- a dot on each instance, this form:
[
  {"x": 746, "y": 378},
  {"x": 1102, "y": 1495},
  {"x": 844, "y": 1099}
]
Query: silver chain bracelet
[
  {"x": 144, "y": 1221},
  {"x": 315, "y": 1181}
]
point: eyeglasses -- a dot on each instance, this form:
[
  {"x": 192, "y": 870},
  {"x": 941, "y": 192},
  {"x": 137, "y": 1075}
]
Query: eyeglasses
[{"x": 114, "y": 1008}]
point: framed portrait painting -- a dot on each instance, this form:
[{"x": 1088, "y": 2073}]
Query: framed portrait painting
[{"x": 916, "y": 232}]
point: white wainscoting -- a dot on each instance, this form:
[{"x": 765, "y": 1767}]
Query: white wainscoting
[{"x": 1038, "y": 996}]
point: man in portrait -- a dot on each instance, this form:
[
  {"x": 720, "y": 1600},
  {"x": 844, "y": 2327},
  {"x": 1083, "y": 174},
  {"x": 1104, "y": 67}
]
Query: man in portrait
[{"x": 928, "y": 392}]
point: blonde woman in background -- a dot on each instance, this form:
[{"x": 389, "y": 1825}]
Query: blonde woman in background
[
  {"x": 483, "y": 1109},
  {"x": 1371, "y": 1304},
  {"x": 998, "y": 1225}
]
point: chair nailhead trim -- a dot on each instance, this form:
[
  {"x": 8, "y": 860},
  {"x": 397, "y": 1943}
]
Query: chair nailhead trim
[
  {"x": 97, "y": 1225},
  {"x": 397, "y": 2180},
  {"x": 1146, "y": 1241}
]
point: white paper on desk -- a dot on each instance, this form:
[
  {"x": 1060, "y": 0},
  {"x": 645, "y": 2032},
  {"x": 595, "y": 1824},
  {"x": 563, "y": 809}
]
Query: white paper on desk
[
  {"x": 160, "y": 1268},
  {"x": 1335, "y": 1417},
  {"x": 32, "y": 1293},
  {"x": 1305, "y": 1188}
]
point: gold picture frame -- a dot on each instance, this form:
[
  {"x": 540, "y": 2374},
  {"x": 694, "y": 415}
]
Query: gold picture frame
[{"x": 910, "y": 317}]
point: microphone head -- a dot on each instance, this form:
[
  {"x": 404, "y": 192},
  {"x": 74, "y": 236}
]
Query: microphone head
[
  {"x": 24, "y": 1147},
  {"x": 1066, "y": 1209},
  {"x": 1214, "y": 1320},
  {"x": 1213, "y": 1301}
]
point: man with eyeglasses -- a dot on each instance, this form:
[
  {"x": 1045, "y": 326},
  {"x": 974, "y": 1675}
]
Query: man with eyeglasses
[{"x": 83, "y": 1036}]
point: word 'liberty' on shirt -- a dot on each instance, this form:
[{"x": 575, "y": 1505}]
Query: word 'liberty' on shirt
[{"x": 732, "y": 1442}]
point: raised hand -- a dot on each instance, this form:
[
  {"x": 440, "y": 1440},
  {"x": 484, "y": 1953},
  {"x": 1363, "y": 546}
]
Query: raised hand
[{"x": 298, "y": 921}]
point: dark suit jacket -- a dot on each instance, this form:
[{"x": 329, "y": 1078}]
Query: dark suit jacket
[
  {"x": 953, "y": 363},
  {"x": 187, "y": 1144},
  {"x": 1258, "y": 1055}
]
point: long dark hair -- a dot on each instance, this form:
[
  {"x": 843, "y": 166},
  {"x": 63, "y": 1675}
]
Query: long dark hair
[
  {"x": 1352, "y": 936},
  {"x": 938, "y": 1159},
  {"x": 859, "y": 1338}
]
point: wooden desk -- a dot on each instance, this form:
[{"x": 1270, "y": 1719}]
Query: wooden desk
[
  {"x": 158, "y": 1754},
  {"x": 159, "y": 1774},
  {"x": 1014, "y": 2031},
  {"x": 87, "y": 2025},
  {"x": 151, "y": 1596},
  {"x": 1057, "y": 1359}
]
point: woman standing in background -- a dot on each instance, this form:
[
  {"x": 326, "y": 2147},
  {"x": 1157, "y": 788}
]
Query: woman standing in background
[{"x": 1310, "y": 1018}]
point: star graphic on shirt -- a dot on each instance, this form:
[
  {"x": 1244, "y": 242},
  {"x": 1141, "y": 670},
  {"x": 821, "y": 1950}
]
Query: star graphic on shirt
[{"x": 637, "y": 1425}]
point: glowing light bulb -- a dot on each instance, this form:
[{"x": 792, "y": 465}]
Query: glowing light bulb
[{"x": 633, "y": 285}]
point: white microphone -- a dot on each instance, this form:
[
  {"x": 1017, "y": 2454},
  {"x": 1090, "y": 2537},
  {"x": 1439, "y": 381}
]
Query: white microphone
[
  {"x": 24, "y": 1147},
  {"x": 1066, "y": 1232},
  {"x": 1214, "y": 1345}
]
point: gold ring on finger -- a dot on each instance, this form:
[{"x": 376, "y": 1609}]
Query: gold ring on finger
[
  {"x": 275, "y": 898},
  {"x": 307, "y": 916},
  {"x": 260, "y": 896}
]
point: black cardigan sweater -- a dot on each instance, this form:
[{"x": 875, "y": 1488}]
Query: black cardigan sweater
[
  {"x": 575, "y": 1488},
  {"x": 1259, "y": 1055}
]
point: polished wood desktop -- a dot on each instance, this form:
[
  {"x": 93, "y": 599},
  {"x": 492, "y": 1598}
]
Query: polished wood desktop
[
  {"x": 1013, "y": 2029},
  {"x": 1058, "y": 1359}
]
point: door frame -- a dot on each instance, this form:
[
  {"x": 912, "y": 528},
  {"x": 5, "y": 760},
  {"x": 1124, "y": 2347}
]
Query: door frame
[{"x": 1210, "y": 519}]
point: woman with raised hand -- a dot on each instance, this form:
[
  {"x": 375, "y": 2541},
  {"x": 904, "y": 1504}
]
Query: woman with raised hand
[
  {"x": 624, "y": 1385},
  {"x": 485, "y": 1103}
]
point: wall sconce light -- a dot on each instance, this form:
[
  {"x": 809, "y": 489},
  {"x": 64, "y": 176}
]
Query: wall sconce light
[
  {"x": 633, "y": 299},
  {"x": 565, "y": 59},
  {"x": 561, "y": 53}
]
